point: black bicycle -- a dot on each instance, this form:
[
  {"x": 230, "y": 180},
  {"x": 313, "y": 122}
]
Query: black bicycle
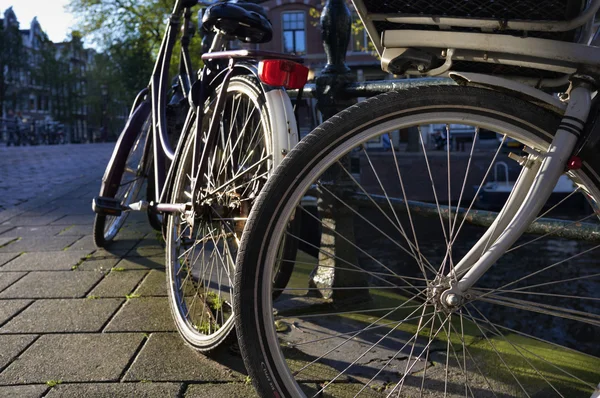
[{"x": 206, "y": 145}]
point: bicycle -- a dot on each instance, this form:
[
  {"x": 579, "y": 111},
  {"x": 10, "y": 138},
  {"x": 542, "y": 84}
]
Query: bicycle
[
  {"x": 237, "y": 125},
  {"x": 431, "y": 295}
]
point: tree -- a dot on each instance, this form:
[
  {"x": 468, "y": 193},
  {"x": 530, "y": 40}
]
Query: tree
[
  {"x": 13, "y": 60},
  {"x": 110, "y": 21},
  {"x": 130, "y": 33}
]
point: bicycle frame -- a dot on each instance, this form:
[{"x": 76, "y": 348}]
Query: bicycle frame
[
  {"x": 152, "y": 101},
  {"x": 533, "y": 188}
]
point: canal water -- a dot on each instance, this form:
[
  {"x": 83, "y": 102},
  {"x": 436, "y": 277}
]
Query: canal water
[{"x": 526, "y": 262}]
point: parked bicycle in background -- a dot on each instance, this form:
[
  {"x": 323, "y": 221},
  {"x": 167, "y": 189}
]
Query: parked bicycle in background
[{"x": 206, "y": 146}]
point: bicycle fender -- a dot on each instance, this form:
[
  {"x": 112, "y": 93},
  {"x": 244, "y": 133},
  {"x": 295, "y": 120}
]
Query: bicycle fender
[
  {"x": 283, "y": 123},
  {"x": 116, "y": 164},
  {"x": 523, "y": 91}
]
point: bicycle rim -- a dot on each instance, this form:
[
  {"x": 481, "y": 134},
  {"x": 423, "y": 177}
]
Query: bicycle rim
[
  {"x": 131, "y": 182},
  {"x": 203, "y": 242}
]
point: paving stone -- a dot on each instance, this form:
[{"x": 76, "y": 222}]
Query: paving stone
[
  {"x": 147, "y": 248},
  {"x": 73, "y": 358},
  {"x": 118, "y": 283},
  {"x": 8, "y": 278},
  {"x": 6, "y": 257},
  {"x": 142, "y": 262},
  {"x": 165, "y": 357},
  {"x": 143, "y": 314},
  {"x": 45, "y": 261},
  {"x": 116, "y": 390},
  {"x": 155, "y": 284},
  {"x": 52, "y": 284},
  {"x": 5, "y": 242},
  {"x": 22, "y": 221},
  {"x": 8, "y": 308},
  {"x": 78, "y": 230},
  {"x": 39, "y": 211},
  {"x": 22, "y": 232},
  {"x": 39, "y": 244},
  {"x": 12, "y": 346},
  {"x": 30, "y": 391},
  {"x": 84, "y": 243},
  {"x": 101, "y": 260},
  {"x": 5, "y": 228},
  {"x": 229, "y": 390},
  {"x": 124, "y": 241},
  {"x": 62, "y": 316},
  {"x": 57, "y": 213},
  {"x": 76, "y": 208},
  {"x": 86, "y": 219}
]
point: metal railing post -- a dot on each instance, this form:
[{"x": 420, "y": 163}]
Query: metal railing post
[{"x": 338, "y": 220}]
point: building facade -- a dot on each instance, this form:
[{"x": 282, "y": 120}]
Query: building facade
[
  {"x": 297, "y": 30},
  {"x": 50, "y": 85}
]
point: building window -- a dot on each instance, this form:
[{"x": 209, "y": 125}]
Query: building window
[{"x": 294, "y": 32}]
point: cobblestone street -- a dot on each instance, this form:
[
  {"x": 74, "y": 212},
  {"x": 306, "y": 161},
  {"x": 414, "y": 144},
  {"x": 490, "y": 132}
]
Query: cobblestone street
[{"x": 76, "y": 321}]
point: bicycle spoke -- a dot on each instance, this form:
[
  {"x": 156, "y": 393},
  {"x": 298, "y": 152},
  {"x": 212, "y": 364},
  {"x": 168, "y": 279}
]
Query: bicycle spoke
[
  {"x": 540, "y": 308},
  {"x": 551, "y": 232},
  {"x": 414, "y": 247},
  {"x": 401, "y": 382},
  {"x": 367, "y": 221},
  {"x": 382, "y": 274},
  {"x": 542, "y": 270},
  {"x": 352, "y": 244},
  {"x": 519, "y": 352},
  {"x": 437, "y": 203},
  {"x": 398, "y": 224},
  {"x": 366, "y": 351},
  {"x": 498, "y": 354},
  {"x": 530, "y": 352},
  {"x": 485, "y": 176}
]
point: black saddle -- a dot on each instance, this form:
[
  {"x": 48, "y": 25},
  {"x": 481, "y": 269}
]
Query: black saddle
[{"x": 246, "y": 21}]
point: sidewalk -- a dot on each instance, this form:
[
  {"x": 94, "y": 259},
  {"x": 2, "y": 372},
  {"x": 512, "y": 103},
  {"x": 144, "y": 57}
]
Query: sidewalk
[{"x": 76, "y": 321}]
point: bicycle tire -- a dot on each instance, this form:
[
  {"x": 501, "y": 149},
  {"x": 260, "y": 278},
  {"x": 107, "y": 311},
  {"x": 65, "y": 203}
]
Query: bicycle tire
[
  {"x": 292, "y": 361},
  {"x": 199, "y": 291},
  {"x": 106, "y": 227}
]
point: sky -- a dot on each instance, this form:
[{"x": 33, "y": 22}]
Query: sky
[{"x": 51, "y": 15}]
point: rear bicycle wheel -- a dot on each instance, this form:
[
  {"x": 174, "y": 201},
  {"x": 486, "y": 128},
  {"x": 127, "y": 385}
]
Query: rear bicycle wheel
[
  {"x": 129, "y": 187},
  {"x": 529, "y": 327},
  {"x": 202, "y": 243}
]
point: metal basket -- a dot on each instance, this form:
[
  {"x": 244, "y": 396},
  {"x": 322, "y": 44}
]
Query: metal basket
[
  {"x": 539, "y": 22},
  {"x": 535, "y": 10}
]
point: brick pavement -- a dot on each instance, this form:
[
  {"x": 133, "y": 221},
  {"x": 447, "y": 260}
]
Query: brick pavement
[{"x": 71, "y": 321}]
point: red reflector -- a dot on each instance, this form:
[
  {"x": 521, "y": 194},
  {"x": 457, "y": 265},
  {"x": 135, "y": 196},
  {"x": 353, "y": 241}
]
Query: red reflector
[
  {"x": 574, "y": 163},
  {"x": 279, "y": 72}
]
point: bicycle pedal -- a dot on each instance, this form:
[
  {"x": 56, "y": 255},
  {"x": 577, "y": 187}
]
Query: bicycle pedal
[{"x": 107, "y": 206}]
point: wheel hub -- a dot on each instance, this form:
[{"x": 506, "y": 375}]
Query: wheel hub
[{"x": 443, "y": 296}]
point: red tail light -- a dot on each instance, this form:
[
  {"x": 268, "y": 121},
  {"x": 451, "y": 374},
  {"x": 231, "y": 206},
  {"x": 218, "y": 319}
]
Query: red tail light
[{"x": 279, "y": 72}]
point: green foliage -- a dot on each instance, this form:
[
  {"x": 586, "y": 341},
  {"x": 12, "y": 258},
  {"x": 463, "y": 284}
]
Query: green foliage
[
  {"x": 108, "y": 22},
  {"x": 53, "y": 383},
  {"x": 129, "y": 32}
]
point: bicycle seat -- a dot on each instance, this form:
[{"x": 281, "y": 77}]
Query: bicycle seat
[{"x": 246, "y": 21}]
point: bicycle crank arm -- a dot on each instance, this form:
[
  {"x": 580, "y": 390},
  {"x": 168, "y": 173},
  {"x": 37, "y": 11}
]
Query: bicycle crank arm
[
  {"x": 545, "y": 180},
  {"x": 113, "y": 207},
  {"x": 142, "y": 205}
]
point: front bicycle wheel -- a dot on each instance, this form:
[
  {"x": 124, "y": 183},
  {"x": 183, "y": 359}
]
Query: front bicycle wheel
[
  {"x": 202, "y": 243},
  {"x": 131, "y": 181},
  {"x": 394, "y": 223}
]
